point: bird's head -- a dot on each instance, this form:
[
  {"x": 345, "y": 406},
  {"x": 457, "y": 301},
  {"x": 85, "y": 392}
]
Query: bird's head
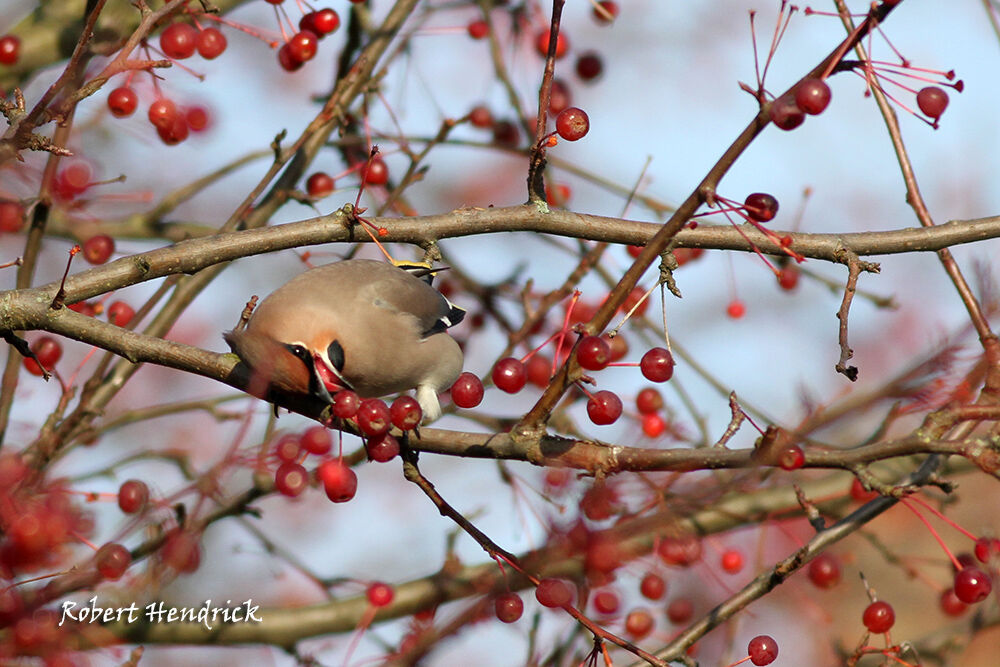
[{"x": 313, "y": 366}]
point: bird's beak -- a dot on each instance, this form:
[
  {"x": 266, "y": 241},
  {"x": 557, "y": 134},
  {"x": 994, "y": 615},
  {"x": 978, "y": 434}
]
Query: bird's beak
[{"x": 329, "y": 378}]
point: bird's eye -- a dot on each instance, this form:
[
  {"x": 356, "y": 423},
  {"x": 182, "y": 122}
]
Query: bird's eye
[
  {"x": 335, "y": 353},
  {"x": 300, "y": 351}
]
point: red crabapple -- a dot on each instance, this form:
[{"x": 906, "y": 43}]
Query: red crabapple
[
  {"x": 812, "y": 96},
  {"x": 572, "y": 124},
  {"x": 467, "y": 392},
  {"x": 879, "y": 617},
  {"x": 932, "y": 101}
]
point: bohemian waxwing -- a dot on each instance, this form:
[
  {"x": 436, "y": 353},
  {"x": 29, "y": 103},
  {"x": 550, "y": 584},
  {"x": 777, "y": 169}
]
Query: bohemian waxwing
[{"x": 370, "y": 326}]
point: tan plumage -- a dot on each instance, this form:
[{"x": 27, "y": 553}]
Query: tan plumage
[{"x": 389, "y": 325}]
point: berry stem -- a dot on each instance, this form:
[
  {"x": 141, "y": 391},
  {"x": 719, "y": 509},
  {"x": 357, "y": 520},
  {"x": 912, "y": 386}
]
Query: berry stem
[
  {"x": 954, "y": 561},
  {"x": 563, "y": 331},
  {"x": 943, "y": 517}
]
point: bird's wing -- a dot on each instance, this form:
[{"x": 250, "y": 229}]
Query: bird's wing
[{"x": 401, "y": 293}]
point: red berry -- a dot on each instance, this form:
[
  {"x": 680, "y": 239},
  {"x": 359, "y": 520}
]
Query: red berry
[
  {"x": 680, "y": 610},
  {"x": 685, "y": 255},
  {"x": 950, "y": 604},
  {"x": 319, "y": 184},
  {"x": 303, "y": 45},
  {"x": 653, "y": 425},
  {"x": 636, "y": 250},
  {"x": 542, "y": 44},
  {"x": 732, "y": 561},
  {"x": 604, "y": 556},
  {"x": 11, "y": 216},
  {"x": 291, "y": 479},
  {"x": 287, "y": 449},
  {"x": 122, "y": 101},
  {"x": 376, "y": 172},
  {"x": 589, "y": 66},
  {"x": 582, "y": 312},
  {"x": 681, "y": 551},
  {"x": 508, "y": 607},
  {"x": 133, "y": 495},
  {"x": 538, "y": 370},
  {"x": 879, "y": 617},
  {"x": 379, "y": 594},
  {"x": 791, "y": 458},
  {"x": 657, "y": 365},
  {"x": 467, "y": 392},
  {"x": 480, "y": 116},
  {"x": 72, "y": 181},
  {"x": 785, "y": 114},
  {"x": 175, "y": 133},
  {"x": 638, "y": 623},
  {"x": 763, "y": 650},
  {"x": 179, "y": 40},
  {"x": 10, "y": 49},
  {"x": 972, "y": 585},
  {"x": 824, "y": 571},
  {"x": 987, "y": 548},
  {"x": 649, "y": 401},
  {"x": 197, "y": 118},
  {"x": 593, "y": 353},
  {"x": 406, "y": 413},
  {"x": 505, "y": 133},
  {"x": 162, "y": 113},
  {"x": 859, "y": 493},
  {"x": 557, "y": 478},
  {"x": 572, "y": 124},
  {"x": 604, "y": 407},
  {"x": 346, "y": 404},
  {"x": 736, "y": 309},
  {"x": 964, "y": 560},
  {"x": 619, "y": 346},
  {"x": 84, "y": 308},
  {"x": 325, "y": 21},
  {"x": 321, "y": 22},
  {"x": 98, "y": 249},
  {"x": 287, "y": 61},
  {"x": 932, "y": 101},
  {"x": 339, "y": 481},
  {"x": 599, "y": 502},
  {"x": 316, "y": 440},
  {"x": 211, "y": 43},
  {"x": 557, "y": 194},
  {"x": 48, "y": 351},
  {"x": 760, "y": 206},
  {"x": 553, "y": 593},
  {"x": 652, "y": 586},
  {"x": 560, "y": 97},
  {"x": 509, "y": 375},
  {"x": 120, "y": 313},
  {"x": 636, "y": 299},
  {"x": 788, "y": 278},
  {"x": 606, "y": 602},
  {"x": 812, "y": 96},
  {"x": 112, "y": 560},
  {"x": 374, "y": 417},
  {"x": 181, "y": 551},
  {"x": 382, "y": 448},
  {"x": 478, "y": 29},
  {"x": 609, "y": 14}
]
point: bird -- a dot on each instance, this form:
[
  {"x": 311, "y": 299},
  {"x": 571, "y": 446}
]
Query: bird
[{"x": 374, "y": 327}]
